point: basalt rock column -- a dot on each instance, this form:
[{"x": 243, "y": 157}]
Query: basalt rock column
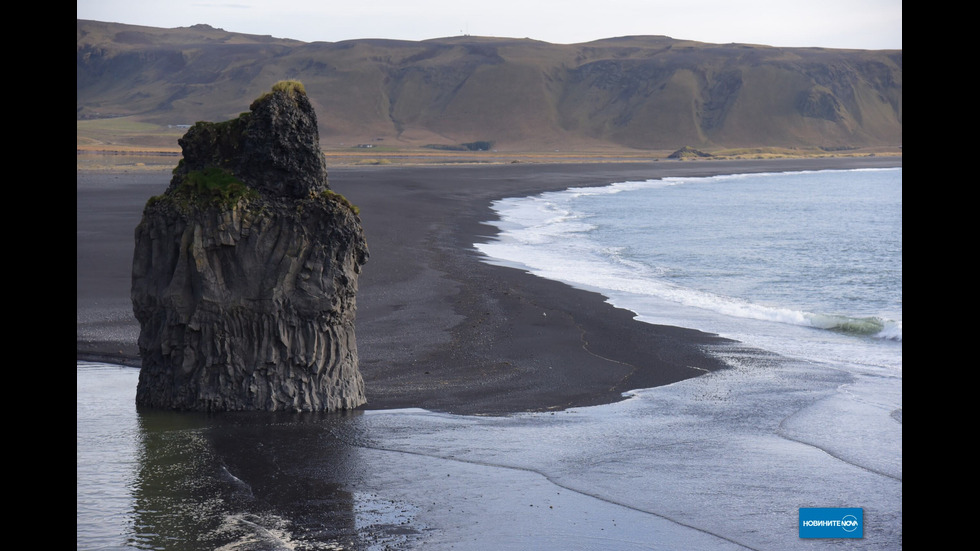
[{"x": 245, "y": 270}]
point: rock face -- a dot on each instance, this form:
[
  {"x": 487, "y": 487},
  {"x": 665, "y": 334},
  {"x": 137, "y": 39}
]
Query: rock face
[{"x": 245, "y": 271}]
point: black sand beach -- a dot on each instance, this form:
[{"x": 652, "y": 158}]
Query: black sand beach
[{"x": 437, "y": 327}]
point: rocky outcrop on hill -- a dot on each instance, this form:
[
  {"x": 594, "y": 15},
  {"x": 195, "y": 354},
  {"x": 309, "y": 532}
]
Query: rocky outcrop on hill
[
  {"x": 245, "y": 271},
  {"x": 688, "y": 152}
]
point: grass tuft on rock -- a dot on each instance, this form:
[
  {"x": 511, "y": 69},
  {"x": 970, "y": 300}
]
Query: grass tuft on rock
[
  {"x": 210, "y": 187},
  {"x": 332, "y": 195},
  {"x": 290, "y": 87}
]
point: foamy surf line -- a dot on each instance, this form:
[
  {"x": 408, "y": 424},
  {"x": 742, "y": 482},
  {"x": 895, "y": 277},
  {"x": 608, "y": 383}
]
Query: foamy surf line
[{"x": 543, "y": 236}]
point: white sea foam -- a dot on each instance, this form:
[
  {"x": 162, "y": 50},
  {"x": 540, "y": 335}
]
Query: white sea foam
[{"x": 606, "y": 239}]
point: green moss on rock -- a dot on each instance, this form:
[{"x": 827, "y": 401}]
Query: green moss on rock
[
  {"x": 332, "y": 195},
  {"x": 210, "y": 187}
]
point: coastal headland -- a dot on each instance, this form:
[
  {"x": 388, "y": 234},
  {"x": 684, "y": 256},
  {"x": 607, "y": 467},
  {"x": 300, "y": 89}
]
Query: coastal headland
[{"x": 437, "y": 326}]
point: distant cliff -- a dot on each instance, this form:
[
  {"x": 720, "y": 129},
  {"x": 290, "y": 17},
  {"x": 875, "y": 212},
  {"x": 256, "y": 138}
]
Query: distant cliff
[
  {"x": 245, "y": 270},
  {"x": 644, "y": 92}
]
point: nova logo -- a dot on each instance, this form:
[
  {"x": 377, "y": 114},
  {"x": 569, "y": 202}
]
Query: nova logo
[{"x": 831, "y": 522}]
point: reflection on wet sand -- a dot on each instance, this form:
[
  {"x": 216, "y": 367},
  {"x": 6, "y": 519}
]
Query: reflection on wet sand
[{"x": 241, "y": 481}]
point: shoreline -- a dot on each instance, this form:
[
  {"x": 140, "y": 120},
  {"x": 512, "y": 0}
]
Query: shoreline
[{"x": 439, "y": 328}]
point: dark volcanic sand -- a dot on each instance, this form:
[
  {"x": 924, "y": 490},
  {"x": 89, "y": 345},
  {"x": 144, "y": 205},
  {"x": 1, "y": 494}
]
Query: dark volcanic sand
[{"x": 437, "y": 328}]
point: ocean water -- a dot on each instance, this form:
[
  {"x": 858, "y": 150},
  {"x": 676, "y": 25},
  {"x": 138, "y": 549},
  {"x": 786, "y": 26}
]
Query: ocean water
[
  {"x": 804, "y": 269},
  {"x": 805, "y": 264}
]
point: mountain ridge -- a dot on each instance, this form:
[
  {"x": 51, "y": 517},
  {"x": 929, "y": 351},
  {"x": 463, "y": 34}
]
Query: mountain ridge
[{"x": 636, "y": 92}]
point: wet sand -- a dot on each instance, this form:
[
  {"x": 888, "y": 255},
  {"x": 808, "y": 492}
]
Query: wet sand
[{"x": 437, "y": 327}]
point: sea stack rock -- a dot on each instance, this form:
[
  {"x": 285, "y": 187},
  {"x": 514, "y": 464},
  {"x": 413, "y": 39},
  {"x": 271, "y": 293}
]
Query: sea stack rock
[{"x": 245, "y": 270}]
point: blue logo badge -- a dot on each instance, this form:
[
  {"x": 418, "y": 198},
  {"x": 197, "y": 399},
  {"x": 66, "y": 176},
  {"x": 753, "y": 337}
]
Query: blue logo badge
[{"x": 831, "y": 522}]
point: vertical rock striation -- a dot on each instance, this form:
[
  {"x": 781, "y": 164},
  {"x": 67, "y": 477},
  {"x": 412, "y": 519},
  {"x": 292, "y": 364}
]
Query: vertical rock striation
[{"x": 245, "y": 270}]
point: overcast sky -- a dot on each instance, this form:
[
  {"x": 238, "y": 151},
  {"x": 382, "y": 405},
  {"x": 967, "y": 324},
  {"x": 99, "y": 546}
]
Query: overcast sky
[{"x": 862, "y": 24}]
